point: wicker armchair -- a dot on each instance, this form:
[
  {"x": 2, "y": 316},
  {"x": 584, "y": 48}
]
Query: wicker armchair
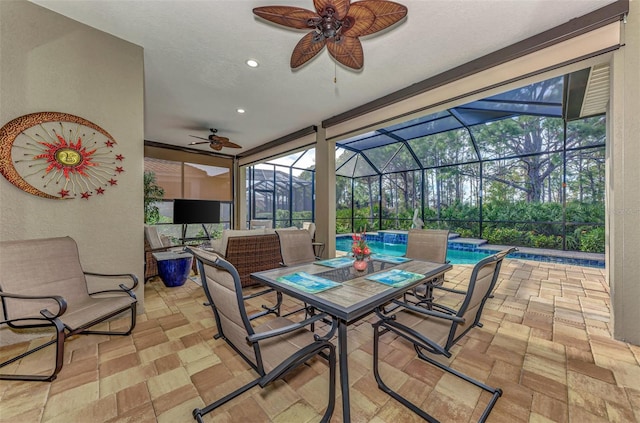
[
  {"x": 156, "y": 243},
  {"x": 150, "y": 263}
]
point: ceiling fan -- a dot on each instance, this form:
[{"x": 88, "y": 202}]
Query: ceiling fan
[
  {"x": 215, "y": 142},
  {"x": 337, "y": 24}
]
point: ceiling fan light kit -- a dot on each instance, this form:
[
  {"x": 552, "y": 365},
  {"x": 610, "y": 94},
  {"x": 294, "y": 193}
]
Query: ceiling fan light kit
[{"x": 338, "y": 24}]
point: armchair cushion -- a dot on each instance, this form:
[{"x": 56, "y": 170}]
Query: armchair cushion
[{"x": 154, "y": 238}]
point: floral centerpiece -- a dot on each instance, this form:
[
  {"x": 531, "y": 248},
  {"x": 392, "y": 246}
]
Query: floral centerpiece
[{"x": 360, "y": 250}]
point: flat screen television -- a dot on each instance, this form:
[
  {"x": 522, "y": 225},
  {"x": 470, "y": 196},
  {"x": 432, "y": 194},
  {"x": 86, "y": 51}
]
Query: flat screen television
[{"x": 196, "y": 211}]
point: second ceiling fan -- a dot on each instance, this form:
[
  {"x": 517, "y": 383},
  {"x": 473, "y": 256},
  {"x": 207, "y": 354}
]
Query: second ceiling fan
[
  {"x": 337, "y": 24},
  {"x": 215, "y": 142}
]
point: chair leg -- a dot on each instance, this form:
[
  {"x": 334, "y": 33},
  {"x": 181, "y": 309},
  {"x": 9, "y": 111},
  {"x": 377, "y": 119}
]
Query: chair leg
[
  {"x": 59, "y": 343},
  {"x": 279, "y": 372},
  {"x": 275, "y": 309},
  {"x": 132, "y": 324},
  {"x": 426, "y": 299},
  {"x": 199, "y": 412},
  {"x": 301, "y": 358},
  {"x": 495, "y": 392},
  {"x": 377, "y": 331}
]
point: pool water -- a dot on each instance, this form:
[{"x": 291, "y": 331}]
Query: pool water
[{"x": 454, "y": 256}]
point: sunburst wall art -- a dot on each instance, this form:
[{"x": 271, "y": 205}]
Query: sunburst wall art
[{"x": 59, "y": 155}]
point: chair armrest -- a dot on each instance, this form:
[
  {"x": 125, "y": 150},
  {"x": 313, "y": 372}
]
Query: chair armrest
[
  {"x": 423, "y": 310},
  {"x": 213, "y": 250},
  {"x": 59, "y": 302},
  {"x": 123, "y": 287},
  {"x": 318, "y": 249},
  {"x": 455, "y": 291},
  {"x": 286, "y": 329}
]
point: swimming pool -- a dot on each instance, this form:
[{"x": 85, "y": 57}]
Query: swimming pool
[
  {"x": 395, "y": 243},
  {"x": 454, "y": 256}
]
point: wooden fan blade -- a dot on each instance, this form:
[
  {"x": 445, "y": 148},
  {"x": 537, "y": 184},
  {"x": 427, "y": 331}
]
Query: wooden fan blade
[
  {"x": 347, "y": 50},
  {"x": 216, "y": 138},
  {"x": 230, "y": 144},
  {"x": 198, "y": 142},
  {"x": 358, "y": 21},
  {"x": 292, "y": 17},
  {"x": 386, "y": 14},
  {"x": 310, "y": 45},
  {"x": 341, "y": 7}
]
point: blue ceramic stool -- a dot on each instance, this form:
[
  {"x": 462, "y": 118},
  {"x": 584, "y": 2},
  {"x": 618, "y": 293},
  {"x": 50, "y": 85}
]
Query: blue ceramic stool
[{"x": 173, "y": 267}]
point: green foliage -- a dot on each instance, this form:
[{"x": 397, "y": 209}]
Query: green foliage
[
  {"x": 343, "y": 221},
  {"x": 536, "y": 225},
  {"x": 302, "y": 215},
  {"x": 152, "y": 193},
  {"x": 281, "y": 215},
  {"x": 465, "y": 233},
  {"x": 585, "y": 212},
  {"x": 459, "y": 211},
  {"x": 522, "y": 211},
  {"x": 592, "y": 240},
  {"x": 505, "y": 236},
  {"x": 545, "y": 241}
]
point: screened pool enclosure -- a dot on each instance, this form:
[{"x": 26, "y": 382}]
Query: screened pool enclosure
[
  {"x": 525, "y": 167},
  {"x": 282, "y": 190}
]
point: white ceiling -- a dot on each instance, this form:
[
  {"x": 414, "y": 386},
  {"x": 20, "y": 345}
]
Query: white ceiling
[{"x": 195, "y": 53}]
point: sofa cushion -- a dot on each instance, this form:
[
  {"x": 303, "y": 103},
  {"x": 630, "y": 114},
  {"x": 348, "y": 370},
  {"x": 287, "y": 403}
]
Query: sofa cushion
[
  {"x": 153, "y": 237},
  {"x": 221, "y": 246}
]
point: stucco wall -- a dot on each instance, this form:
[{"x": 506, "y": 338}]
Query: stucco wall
[
  {"x": 51, "y": 63},
  {"x": 623, "y": 176}
]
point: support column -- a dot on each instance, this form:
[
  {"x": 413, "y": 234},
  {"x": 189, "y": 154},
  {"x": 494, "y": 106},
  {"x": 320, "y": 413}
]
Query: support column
[
  {"x": 623, "y": 175},
  {"x": 240, "y": 203},
  {"x": 326, "y": 193}
]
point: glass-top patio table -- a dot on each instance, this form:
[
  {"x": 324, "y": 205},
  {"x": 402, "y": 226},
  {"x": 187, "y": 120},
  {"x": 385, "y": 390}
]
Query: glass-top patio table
[{"x": 352, "y": 298}]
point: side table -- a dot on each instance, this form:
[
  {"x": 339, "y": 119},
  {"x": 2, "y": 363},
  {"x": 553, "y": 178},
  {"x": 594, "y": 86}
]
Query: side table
[{"x": 173, "y": 267}]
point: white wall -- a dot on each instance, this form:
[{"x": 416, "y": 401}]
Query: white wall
[{"x": 51, "y": 63}]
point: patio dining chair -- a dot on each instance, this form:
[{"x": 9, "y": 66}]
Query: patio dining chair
[
  {"x": 318, "y": 247},
  {"x": 428, "y": 245},
  {"x": 296, "y": 247},
  {"x": 273, "y": 348},
  {"x": 434, "y": 331},
  {"x": 260, "y": 224}
]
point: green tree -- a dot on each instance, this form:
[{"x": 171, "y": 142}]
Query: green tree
[{"x": 152, "y": 193}]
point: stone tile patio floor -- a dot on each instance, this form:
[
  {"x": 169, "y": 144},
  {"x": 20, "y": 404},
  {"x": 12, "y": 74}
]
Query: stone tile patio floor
[{"x": 546, "y": 342}]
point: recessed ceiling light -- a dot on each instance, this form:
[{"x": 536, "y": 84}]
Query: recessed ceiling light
[
  {"x": 252, "y": 63},
  {"x": 240, "y": 110}
]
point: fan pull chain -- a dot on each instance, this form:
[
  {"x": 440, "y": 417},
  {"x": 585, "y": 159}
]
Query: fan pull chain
[{"x": 335, "y": 73}]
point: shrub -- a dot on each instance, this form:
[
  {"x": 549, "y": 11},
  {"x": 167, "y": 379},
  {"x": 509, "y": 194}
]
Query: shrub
[
  {"x": 506, "y": 236},
  {"x": 464, "y": 233},
  {"x": 592, "y": 240},
  {"x": 545, "y": 241}
]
